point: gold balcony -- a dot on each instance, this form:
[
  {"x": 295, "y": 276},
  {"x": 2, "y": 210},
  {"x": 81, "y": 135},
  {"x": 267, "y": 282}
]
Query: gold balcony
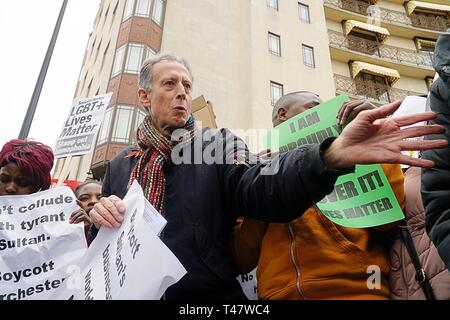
[
  {"x": 392, "y": 54},
  {"x": 375, "y": 92},
  {"x": 437, "y": 23}
]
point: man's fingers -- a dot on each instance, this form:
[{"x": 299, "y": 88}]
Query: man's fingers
[
  {"x": 380, "y": 112},
  {"x": 83, "y": 218},
  {"x": 417, "y": 145},
  {"x": 414, "y": 118},
  {"x": 353, "y": 110},
  {"x": 75, "y": 216},
  {"x": 119, "y": 204},
  {"x": 346, "y": 112},
  {"x": 98, "y": 219},
  {"x": 418, "y": 131},
  {"x": 414, "y": 162},
  {"x": 344, "y": 107},
  {"x": 110, "y": 205},
  {"x": 106, "y": 214}
]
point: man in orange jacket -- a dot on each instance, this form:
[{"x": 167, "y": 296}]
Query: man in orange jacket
[{"x": 311, "y": 257}]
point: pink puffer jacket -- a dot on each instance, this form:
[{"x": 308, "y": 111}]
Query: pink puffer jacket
[{"x": 402, "y": 274}]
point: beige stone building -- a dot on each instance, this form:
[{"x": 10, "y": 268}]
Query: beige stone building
[{"x": 246, "y": 53}]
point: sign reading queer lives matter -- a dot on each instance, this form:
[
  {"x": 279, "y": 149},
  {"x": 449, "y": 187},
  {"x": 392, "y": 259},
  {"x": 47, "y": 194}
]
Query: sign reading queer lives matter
[
  {"x": 38, "y": 246},
  {"x": 361, "y": 199},
  {"x": 81, "y": 127},
  {"x": 126, "y": 263}
]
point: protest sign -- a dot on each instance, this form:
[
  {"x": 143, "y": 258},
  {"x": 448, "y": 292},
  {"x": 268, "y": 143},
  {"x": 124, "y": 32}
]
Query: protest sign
[
  {"x": 80, "y": 129},
  {"x": 130, "y": 262},
  {"x": 249, "y": 284},
  {"x": 38, "y": 246},
  {"x": 360, "y": 200}
]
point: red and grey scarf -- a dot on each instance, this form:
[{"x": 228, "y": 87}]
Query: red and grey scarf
[{"x": 155, "y": 151}]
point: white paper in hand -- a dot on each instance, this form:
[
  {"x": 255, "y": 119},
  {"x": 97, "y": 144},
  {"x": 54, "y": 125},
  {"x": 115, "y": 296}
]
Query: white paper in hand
[
  {"x": 127, "y": 263},
  {"x": 155, "y": 220}
]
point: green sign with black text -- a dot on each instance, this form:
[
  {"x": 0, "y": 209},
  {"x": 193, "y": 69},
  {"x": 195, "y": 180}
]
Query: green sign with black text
[{"x": 359, "y": 200}]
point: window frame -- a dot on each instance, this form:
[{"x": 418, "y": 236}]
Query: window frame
[
  {"x": 305, "y": 48},
  {"x": 273, "y": 4},
  {"x": 275, "y": 85},
  {"x": 277, "y": 38},
  {"x": 106, "y": 125},
  {"x": 308, "y": 13},
  {"x": 119, "y": 122}
]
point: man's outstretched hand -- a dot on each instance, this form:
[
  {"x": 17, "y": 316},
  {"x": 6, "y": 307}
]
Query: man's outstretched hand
[{"x": 373, "y": 138}]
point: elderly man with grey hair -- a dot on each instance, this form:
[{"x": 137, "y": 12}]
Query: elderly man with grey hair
[{"x": 202, "y": 200}]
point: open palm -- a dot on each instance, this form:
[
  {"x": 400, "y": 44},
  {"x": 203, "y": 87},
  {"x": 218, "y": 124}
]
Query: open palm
[{"x": 373, "y": 138}]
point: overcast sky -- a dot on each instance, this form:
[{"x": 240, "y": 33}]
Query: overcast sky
[{"x": 26, "y": 28}]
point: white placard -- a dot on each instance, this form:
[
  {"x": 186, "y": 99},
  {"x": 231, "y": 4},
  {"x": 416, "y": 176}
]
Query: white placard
[
  {"x": 38, "y": 246},
  {"x": 130, "y": 262},
  {"x": 81, "y": 126},
  {"x": 411, "y": 105},
  {"x": 249, "y": 284}
]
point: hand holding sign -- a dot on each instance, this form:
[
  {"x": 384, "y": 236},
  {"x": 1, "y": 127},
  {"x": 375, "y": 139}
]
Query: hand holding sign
[
  {"x": 371, "y": 138},
  {"x": 353, "y": 108}
]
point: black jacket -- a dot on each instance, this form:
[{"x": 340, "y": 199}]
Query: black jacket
[
  {"x": 204, "y": 200},
  {"x": 436, "y": 181}
]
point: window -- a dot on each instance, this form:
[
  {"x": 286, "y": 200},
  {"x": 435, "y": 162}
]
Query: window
[
  {"x": 425, "y": 50},
  {"x": 150, "y": 53},
  {"x": 303, "y": 13},
  {"x": 143, "y": 8},
  {"x": 370, "y": 86},
  {"x": 129, "y": 58},
  {"x": 122, "y": 124},
  {"x": 276, "y": 92},
  {"x": 273, "y": 4},
  {"x": 104, "y": 56},
  {"x": 134, "y": 58},
  {"x": 118, "y": 61},
  {"x": 115, "y": 8},
  {"x": 157, "y": 14},
  {"x": 308, "y": 56},
  {"x": 104, "y": 129},
  {"x": 128, "y": 11},
  {"x": 274, "y": 44},
  {"x": 98, "y": 50},
  {"x": 106, "y": 14},
  {"x": 357, "y": 41}
]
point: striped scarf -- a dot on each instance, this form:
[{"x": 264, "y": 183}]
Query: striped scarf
[{"x": 155, "y": 151}]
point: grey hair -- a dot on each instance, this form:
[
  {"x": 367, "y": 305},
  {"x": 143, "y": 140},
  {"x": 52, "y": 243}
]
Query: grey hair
[
  {"x": 286, "y": 102},
  {"x": 146, "y": 73}
]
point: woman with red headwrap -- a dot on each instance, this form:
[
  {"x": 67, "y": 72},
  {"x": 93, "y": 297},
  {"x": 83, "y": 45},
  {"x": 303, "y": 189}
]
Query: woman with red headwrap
[{"x": 25, "y": 168}]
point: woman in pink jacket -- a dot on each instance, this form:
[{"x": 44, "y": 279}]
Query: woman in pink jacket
[{"x": 403, "y": 273}]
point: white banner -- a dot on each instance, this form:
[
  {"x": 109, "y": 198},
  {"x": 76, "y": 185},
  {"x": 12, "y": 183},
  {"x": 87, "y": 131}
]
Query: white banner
[
  {"x": 130, "y": 262},
  {"x": 80, "y": 129},
  {"x": 38, "y": 246},
  {"x": 411, "y": 105}
]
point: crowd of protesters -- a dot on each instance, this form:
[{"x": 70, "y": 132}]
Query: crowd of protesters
[{"x": 229, "y": 217}]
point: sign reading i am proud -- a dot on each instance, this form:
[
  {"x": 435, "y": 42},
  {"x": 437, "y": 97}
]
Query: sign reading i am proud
[{"x": 361, "y": 199}]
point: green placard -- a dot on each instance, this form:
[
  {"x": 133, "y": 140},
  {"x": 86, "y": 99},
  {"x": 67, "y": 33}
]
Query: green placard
[{"x": 359, "y": 200}]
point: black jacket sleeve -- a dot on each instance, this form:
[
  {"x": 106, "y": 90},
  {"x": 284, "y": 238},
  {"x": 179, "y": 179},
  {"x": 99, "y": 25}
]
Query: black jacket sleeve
[
  {"x": 436, "y": 181},
  {"x": 280, "y": 189}
]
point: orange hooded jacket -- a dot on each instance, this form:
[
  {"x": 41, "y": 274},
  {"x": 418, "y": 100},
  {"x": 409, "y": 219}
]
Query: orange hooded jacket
[{"x": 313, "y": 258}]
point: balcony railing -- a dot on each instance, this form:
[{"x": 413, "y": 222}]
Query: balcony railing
[
  {"x": 437, "y": 23},
  {"x": 373, "y": 48},
  {"x": 369, "y": 90}
]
